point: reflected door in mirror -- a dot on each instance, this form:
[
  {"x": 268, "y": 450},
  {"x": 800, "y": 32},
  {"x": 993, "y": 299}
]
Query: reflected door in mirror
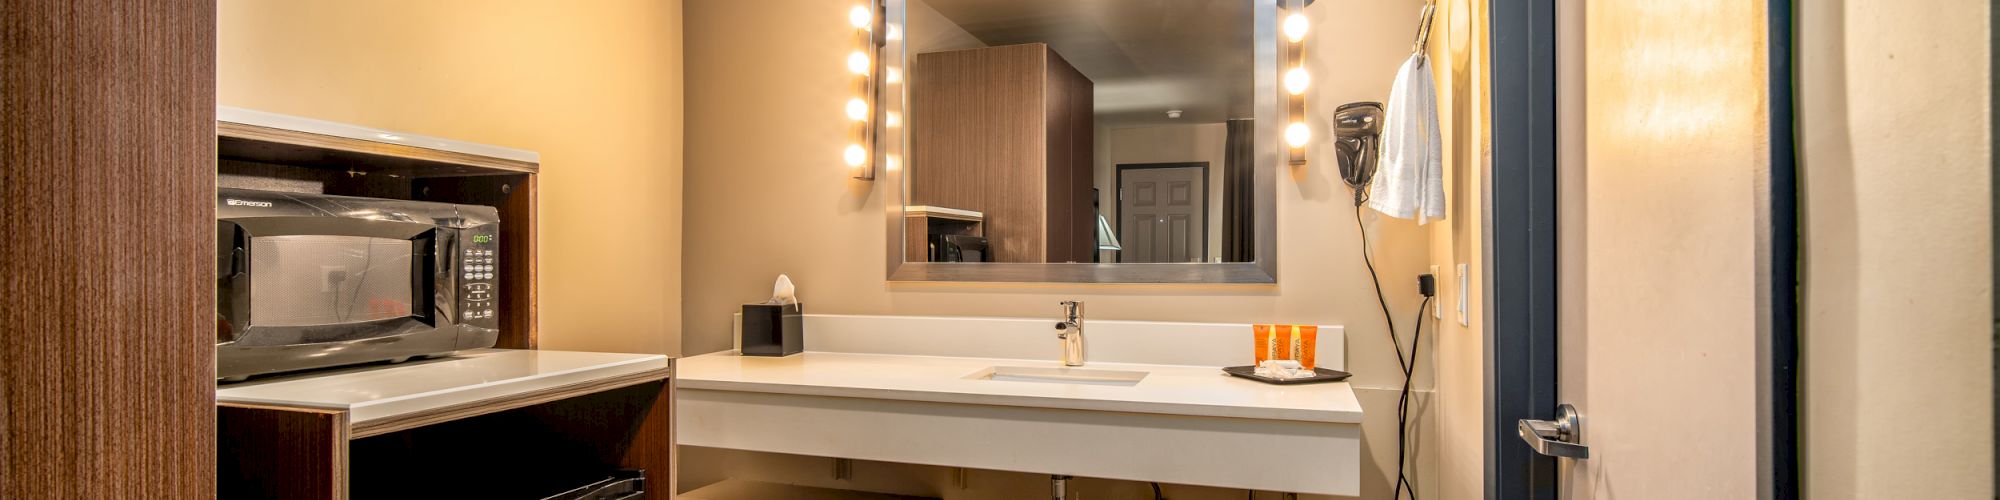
[{"x": 1164, "y": 212}]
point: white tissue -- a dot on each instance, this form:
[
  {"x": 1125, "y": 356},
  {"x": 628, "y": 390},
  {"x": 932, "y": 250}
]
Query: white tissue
[
  {"x": 783, "y": 292},
  {"x": 1283, "y": 369}
]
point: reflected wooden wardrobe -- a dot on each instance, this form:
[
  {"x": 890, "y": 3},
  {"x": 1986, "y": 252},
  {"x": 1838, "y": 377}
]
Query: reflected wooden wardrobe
[{"x": 1006, "y": 131}]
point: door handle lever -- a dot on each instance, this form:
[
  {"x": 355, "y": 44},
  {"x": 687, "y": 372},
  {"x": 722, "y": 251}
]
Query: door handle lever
[{"x": 1556, "y": 438}]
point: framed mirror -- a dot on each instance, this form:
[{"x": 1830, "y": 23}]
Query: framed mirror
[{"x": 1081, "y": 141}]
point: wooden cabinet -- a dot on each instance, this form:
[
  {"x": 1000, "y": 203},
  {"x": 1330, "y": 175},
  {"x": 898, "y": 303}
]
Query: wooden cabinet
[
  {"x": 1006, "y": 131},
  {"x": 258, "y": 151},
  {"x": 493, "y": 423},
  {"x": 920, "y": 222}
]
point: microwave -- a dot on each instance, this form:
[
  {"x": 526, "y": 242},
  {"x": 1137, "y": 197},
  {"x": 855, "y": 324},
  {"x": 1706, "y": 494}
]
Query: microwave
[
  {"x": 311, "y": 281},
  {"x": 959, "y": 248}
]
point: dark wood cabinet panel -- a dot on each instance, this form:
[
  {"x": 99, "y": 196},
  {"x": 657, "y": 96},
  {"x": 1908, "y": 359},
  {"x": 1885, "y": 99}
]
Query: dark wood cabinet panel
[
  {"x": 1072, "y": 223},
  {"x": 1006, "y": 131},
  {"x": 279, "y": 452},
  {"x": 107, "y": 198}
]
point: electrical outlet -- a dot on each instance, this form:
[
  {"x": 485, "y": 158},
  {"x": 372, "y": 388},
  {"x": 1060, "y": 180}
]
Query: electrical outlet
[
  {"x": 1437, "y": 311},
  {"x": 330, "y": 278}
]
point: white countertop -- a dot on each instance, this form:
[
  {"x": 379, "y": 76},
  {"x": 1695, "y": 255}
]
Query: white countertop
[
  {"x": 386, "y": 391},
  {"x": 943, "y": 213},
  {"x": 1167, "y": 389}
]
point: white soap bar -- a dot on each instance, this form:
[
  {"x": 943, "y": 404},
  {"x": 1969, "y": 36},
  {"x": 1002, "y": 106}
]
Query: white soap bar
[{"x": 1283, "y": 369}]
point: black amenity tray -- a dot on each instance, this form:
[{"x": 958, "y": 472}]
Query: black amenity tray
[{"x": 1325, "y": 375}]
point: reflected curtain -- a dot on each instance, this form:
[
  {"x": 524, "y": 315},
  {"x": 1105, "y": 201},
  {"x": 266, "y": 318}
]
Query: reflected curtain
[{"x": 1239, "y": 225}]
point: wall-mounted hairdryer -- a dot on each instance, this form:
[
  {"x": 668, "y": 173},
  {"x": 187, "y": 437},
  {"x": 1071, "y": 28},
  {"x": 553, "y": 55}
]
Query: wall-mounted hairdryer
[{"x": 1357, "y": 126}]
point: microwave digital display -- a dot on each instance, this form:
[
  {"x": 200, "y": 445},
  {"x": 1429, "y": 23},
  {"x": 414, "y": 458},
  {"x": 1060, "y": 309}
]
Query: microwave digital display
[{"x": 481, "y": 239}]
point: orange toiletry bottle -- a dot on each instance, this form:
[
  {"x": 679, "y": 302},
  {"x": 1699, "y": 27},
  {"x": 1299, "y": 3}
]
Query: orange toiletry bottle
[
  {"x": 1305, "y": 345},
  {"x": 1294, "y": 342},
  {"x": 1265, "y": 347}
]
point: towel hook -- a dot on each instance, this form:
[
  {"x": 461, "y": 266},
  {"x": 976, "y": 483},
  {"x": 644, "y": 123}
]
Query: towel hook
[{"x": 1424, "y": 27}]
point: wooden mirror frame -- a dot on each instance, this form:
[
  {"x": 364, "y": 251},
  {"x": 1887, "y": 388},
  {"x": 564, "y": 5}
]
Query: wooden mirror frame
[{"x": 1270, "y": 112}]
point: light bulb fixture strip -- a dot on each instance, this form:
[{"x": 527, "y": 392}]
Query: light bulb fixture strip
[{"x": 863, "y": 109}]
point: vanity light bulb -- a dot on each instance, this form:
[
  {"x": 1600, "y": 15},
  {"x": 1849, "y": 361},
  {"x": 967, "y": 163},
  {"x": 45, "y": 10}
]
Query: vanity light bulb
[
  {"x": 1296, "y": 26},
  {"x": 893, "y": 74},
  {"x": 892, "y": 119},
  {"x": 856, "y": 155},
  {"x": 861, "y": 17},
  {"x": 1297, "y": 80},
  {"x": 1297, "y": 134},
  {"x": 857, "y": 109},
  {"x": 858, "y": 62}
]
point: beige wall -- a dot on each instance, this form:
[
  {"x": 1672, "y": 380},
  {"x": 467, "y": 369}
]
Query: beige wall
[
  {"x": 930, "y": 31},
  {"x": 597, "y": 91},
  {"x": 1895, "y": 116},
  {"x": 1458, "y": 51},
  {"x": 767, "y": 194},
  {"x": 1195, "y": 142}
]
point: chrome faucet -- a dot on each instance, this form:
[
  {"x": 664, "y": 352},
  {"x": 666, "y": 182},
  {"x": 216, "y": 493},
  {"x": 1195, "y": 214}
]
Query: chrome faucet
[{"x": 1070, "y": 330}]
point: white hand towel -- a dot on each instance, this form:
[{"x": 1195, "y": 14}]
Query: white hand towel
[{"x": 1409, "y": 178}]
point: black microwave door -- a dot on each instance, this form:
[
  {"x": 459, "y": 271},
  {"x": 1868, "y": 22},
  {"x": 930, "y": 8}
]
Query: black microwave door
[
  {"x": 232, "y": 281},
  {"x": 308, "y": 280}
]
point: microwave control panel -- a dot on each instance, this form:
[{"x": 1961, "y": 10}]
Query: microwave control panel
[{"x": 479, "y": 266}]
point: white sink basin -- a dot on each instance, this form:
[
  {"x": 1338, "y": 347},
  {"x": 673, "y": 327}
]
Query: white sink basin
[{"x": 1058, "y": 375}]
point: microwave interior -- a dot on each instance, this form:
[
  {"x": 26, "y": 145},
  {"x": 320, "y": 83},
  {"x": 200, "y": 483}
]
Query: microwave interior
[{"x": 307, "y": 280}]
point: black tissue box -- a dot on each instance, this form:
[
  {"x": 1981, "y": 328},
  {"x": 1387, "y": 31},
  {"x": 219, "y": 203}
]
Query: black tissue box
[{"x": 773, "y": 330}]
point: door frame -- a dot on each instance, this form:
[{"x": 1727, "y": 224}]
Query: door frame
[
  {"x": 1118, "y": 196},
  {"x": 1520, "y": 194},
  {"x": 1778, "y": 266},
  {"x": 1519, "y": 253}
]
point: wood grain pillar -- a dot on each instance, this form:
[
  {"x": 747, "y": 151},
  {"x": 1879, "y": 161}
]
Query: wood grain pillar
[{"x": 107, "y": 161}]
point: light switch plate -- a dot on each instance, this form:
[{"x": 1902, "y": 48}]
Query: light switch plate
[{"x": 1464, "y": 286}]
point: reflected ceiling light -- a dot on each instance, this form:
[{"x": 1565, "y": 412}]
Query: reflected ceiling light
[
  {"x": 858, "y": 62},
  {"x": 1297, "y": 134},
  {"x": 1296, "y": 81},
  {"x": 857, "y": 109},
  {"x": 1296, "y": 26},
  {"x": 861, "y": 17}
]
